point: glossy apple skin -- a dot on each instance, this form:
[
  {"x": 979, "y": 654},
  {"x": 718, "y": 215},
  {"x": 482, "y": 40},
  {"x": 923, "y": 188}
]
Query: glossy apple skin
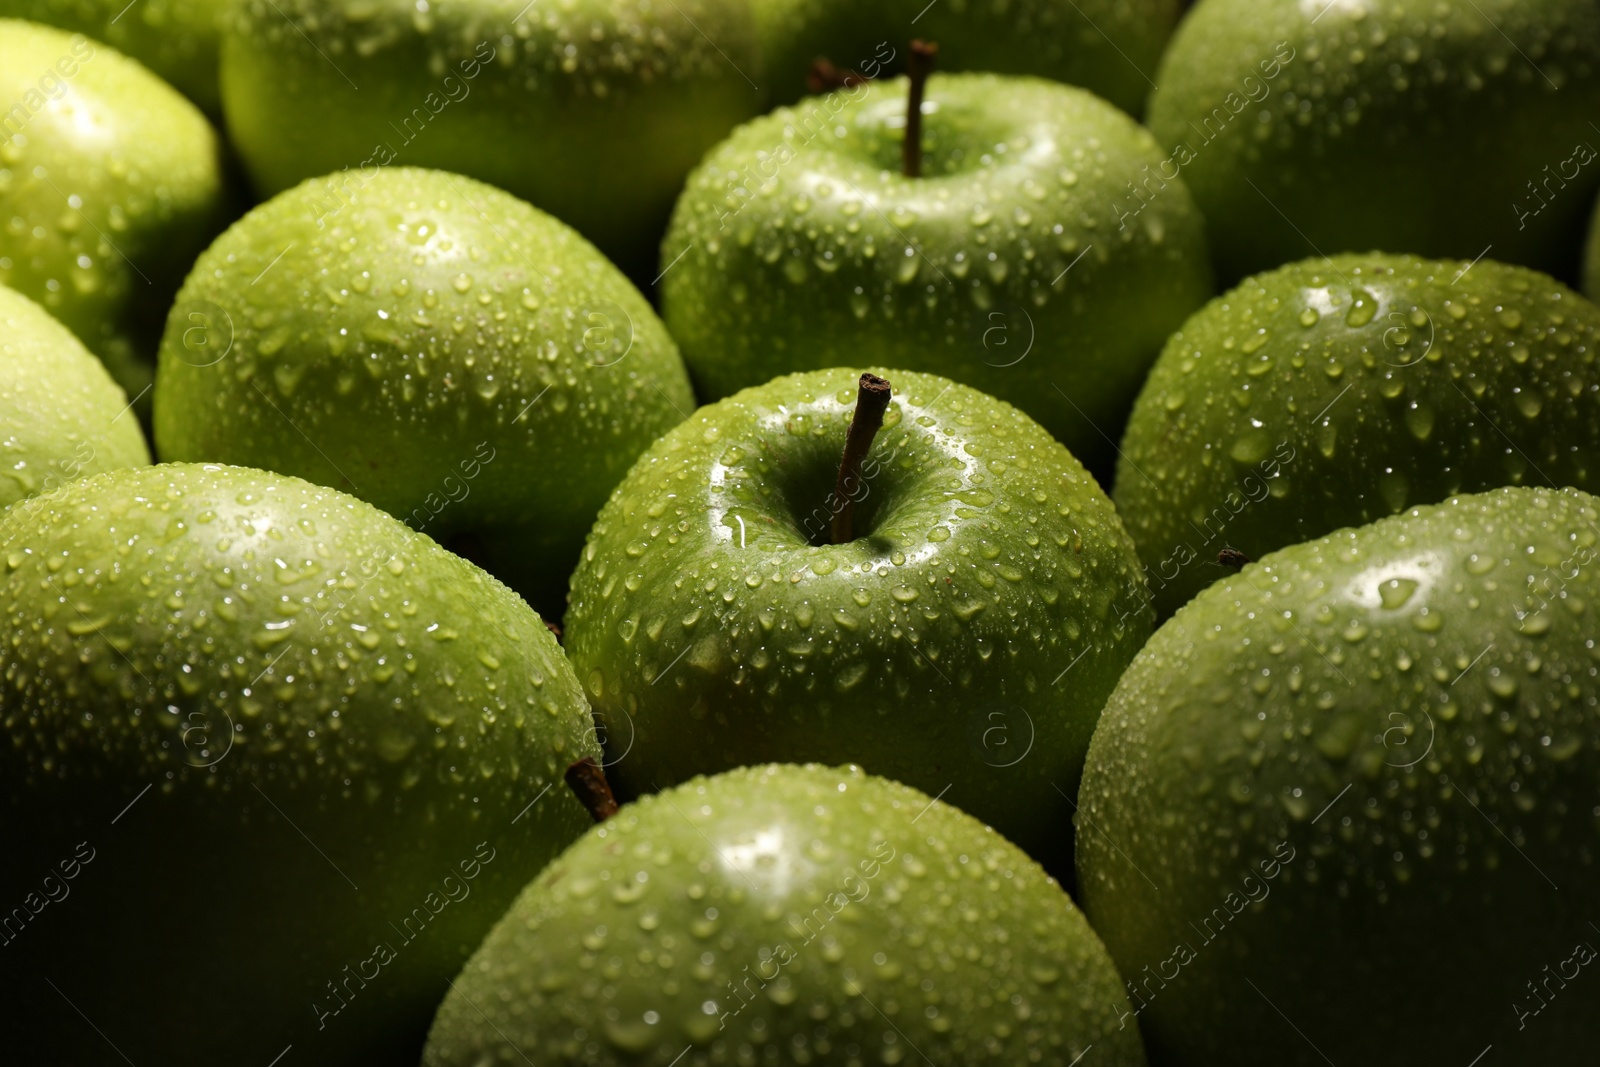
[
  {"x": 429, "y": 344},
  {"x": 1109, "y": 48},
  {"x": 1333, "y": 393},
  {"x": 1591, "y": 258},
  {"x": 1392, "y": 730},
  {"x": 61, "y": 415},
  {"x": 144, "y": 166},
  {"x": 965, "y": 639},
  {"x": 802, "y": 250},
  {"x": 176, "y": 39},
  {"x": 1341, "y": 149},
  {"x": 593, "y": 110},
  {"x": 389, "y": 705},
  {"x": 810, "y": 909}
]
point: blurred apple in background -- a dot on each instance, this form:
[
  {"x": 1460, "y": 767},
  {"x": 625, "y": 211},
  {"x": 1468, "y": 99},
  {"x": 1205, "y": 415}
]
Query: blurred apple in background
[
  {"x": 1323, "y": 126},
  {"x": 959, "y": 634},
  {"x": 432, "y": 345},
  {"x": 1010, "y": 264},
  {"x": 593, "y": 110},
  {"x": 1331, "y": 393},
  {"x": 114, "y": 185}
]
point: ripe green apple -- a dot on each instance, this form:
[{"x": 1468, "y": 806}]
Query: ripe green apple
[
  {"x": 1341, "y": 808},
  {"x": 177, "y": 39},
  {"x": 1325, "y": 126},
  {"x": 594, "y": 110},
  {"x": 429, "y": 344},
  {"x": 799, "y": 245},
  {"x": 113, "y": 185},
  {"x": 1330, "y": 393},
  {"x": 823, "y": 914},
  {"x": 279, "y": 755},
  {"x": 61, "y": 415},
  {"x": 1110, "y": 48},
  {"x": 962, "y": 638}
]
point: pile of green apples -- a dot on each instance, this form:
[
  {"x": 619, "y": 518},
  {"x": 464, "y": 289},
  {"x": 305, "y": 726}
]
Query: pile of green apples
[{"x": 818, "y": 532}]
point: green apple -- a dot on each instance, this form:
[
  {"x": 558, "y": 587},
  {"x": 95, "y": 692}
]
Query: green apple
[
  {"x": 429, "y": 344},
  {"x": 961, "y": 637},
  {"x": 1109, "y": 47},
  {"x": 61, "y": 415},
  {"x": 799, "y": 244},
  {"x": 1330, "y": 393},
  {"x": 281, "y": 756},
  {"x": 1341, "y": 808},
  {"x": 112, "y": 185},
  {"x": 1330, "y": 126},
  {"x": 1591, "y": 257},
  {"x": 594, "y": 110},
  {"x": 824, "y": 915},
  {"x": 177, "y": 39}
]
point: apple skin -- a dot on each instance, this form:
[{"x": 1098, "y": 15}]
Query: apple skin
[
  {"x": 176, "y": 39},
  {"x": 1104, "y": 46},
  {"x": 429, "y": 344},
  {"x": 965, "y": 640},
  {"x": 1591, "y": 257},
  {"x": 813, "y": 910},
  {"x": 800, "y": 255},
  {"x": 145, "y": 167},
  {"x": 1393, "y": 731},
  {"x": 61, "y": 415},
  {"x": 593, "y": 110},
  {"x": 390, "y": 706},
  {"x": 1292, "y": 406},
  {"x": 1363, "y": 110}
]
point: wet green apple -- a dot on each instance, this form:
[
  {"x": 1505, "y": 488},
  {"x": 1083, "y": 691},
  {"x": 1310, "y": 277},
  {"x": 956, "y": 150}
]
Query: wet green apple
[
  {"x": 1330, "y": 393},
  {"x": 118, "y": 180},
  {"x": 1320, "y": 127},
  {"x": 800, "y": 244},
  {"x": 1320, "y": 776},
  {"x": 961, "y": 637},
  {"x": 429, "y": 344},
  {"x": 283, "y": 752},
  {"x": 61, "y": 415},
  {"x": 826, "y": 914},
  {"x": 176, "y": 39},
  {"x": 594, "y": 110},
  {"x": 1107, "y": 47}
]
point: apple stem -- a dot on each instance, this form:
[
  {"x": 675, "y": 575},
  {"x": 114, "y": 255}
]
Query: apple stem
[
  {"x": 588, "y": 783},
  {"x": 872, "y": 400},
  {"x": 824, "y": 77},
  {"x": 919, "y": 64}
]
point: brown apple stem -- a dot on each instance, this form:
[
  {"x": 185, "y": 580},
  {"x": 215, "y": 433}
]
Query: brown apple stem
[
  {"x": 588, "y": 783},
  {"x": 919, "y": 64},
  {"x": 872, "y": 400},
  {"x": 824, "y": 77}
]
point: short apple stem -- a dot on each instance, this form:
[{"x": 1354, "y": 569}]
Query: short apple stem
[
  {"x": 872, "y": 400},
  {"x": 918, "y": 66},
  {"x": 588, "y": 783},
  {"x": 824, "y": 77}
]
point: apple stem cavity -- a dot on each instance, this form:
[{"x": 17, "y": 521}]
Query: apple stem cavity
[
  {"x": 824, "y": 77},
  {"x": 919, "y": 64},
  {"x": 872, "y": 400},
  {"x": 588, "y": 783}
]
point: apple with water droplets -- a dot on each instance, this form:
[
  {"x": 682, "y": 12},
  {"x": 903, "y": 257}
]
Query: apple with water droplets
[
  {"x": 1325, "y": 126},
  {"x": 804, "y": 241},
  {"x": 274, "y": 764},
  {"x": 432, "y": 345},
  {"x": 823, "y": 913},
  {"x": 61, "y": 415},
  {"x": 1334, "y": 392},
  {"x": 1342, "y": 809},
  {"x": 946, "y": 601},
  {"x": 113, "y": 186}
]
